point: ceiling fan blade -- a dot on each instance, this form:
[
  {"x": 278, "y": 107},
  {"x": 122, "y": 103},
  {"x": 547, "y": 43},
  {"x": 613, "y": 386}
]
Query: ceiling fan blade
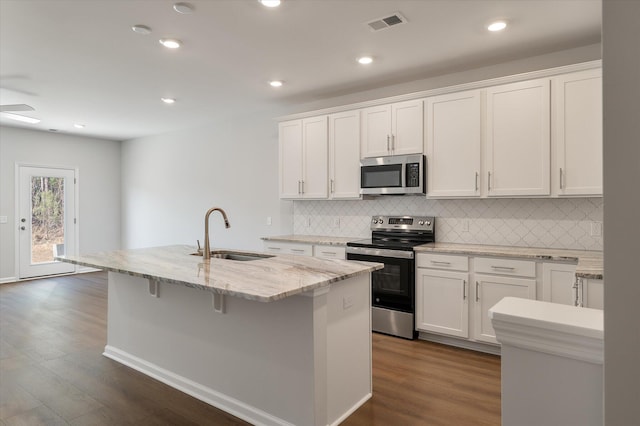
[{"x": 16, "y": 107}]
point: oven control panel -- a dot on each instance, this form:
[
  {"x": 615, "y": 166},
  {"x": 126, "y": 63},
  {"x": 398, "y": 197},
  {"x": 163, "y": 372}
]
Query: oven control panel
[{"x": 403, "y": 222}]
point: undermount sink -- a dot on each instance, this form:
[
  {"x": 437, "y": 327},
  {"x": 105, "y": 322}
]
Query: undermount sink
[{"x": 235, "y": 255}]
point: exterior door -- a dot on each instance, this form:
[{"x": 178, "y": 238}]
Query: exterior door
[{"x": 46, "y": 220}]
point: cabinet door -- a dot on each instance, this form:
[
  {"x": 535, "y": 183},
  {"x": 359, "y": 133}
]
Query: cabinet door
[
  {"x": 344, "y": 155},
  {"x": 376, "y": 131},
  {"x": 593, "y": 293},
  {"x": 518, "y": 139},
  {"x": 442, "y": 303},
  {"x": 489, "y": 290},
  {"x": 407, "y": 136},
  {"x": 316, "y": 155},
  {"x": 578, "y": 133},
  {"x": 453, "y": 145},
  {"x": 290, "y": 144},
  {"x": 558, "y": 283}
]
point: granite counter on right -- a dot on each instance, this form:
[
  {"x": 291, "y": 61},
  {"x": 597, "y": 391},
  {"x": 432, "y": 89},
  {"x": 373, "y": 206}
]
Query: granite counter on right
[{"x": 589, "y": 264}]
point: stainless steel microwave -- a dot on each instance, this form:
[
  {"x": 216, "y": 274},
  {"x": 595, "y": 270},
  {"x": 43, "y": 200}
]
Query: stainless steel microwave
[{"x": 396, "y": 174}]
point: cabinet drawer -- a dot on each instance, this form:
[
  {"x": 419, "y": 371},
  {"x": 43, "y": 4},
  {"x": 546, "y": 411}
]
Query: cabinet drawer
[
  {"x": 288, "y": 248},
  {"x": 442, "y": 261},
  {"x": 330, "y": 252},
  {"x": 492, "y": 265}
]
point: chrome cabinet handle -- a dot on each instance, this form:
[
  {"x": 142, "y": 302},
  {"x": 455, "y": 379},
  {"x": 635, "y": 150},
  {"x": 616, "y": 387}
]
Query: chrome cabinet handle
[
  {"x": 388, "y": 146},
  {"x": 504, "y": 268},
  {"x": 332, "y": 186},
  {"x": 302, "y": 186},
  {"x": 464, "y": 289},
  {"x": 477, "y": 296},
  {"x": 439, "y": 262},
  {"x": 299, "y": 187},
  {"x": 297, "y": 250},
  {"x": 274, "y": 248},
  {"x": 393, "y": 142},
  {"x": 489, "y": 181},
  {"x": 561, "y": 178},
  {"x": 477, "y": 175}
]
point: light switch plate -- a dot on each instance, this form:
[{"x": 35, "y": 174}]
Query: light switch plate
[{"x": 596, "y": 229}]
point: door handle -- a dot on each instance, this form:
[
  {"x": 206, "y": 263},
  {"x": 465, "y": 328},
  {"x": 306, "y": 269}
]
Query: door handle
[
  {"x": 23, "y": 220},
  {"x": 23, "y": 228}
]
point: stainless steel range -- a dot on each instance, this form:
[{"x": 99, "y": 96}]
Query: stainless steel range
[{"x": 393, "y": 288}]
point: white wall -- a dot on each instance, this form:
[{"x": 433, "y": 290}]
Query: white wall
[
  {"x": 169, "y": 182},
  {"x": 621, "y": 71},
  {"x": 98, "y": 162}
]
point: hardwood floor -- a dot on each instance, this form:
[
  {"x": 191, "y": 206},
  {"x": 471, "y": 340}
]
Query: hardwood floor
[{"x": 52, "y": 372}]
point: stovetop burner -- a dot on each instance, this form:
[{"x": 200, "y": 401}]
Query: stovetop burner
[{"x": 398, "y": 232}]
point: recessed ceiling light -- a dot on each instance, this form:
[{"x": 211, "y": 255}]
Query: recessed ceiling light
[
  {"x": 184, "y": 8},
  {"x": 365, "y": 60},
  {"x": 170, "y": 43},
  {"x": 141, "y": 29},
  {"x": 270, "y": 3},
  {"x": 78, "y": 126},
  {"x": 168, "y": 100},
  {"x": 22, "y": 118},
  {"x": 497, "y": 26},
  {"x": 275, "y": 83}
]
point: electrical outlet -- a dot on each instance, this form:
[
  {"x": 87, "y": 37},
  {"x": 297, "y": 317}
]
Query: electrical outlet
[
  {"x": 596, "y": 229},
  {"x": 307, "y": 221},
  {"x": 465, "y": 225},
  {"x": 268, "y": 220},
  {"x": 336, "y": 222}
]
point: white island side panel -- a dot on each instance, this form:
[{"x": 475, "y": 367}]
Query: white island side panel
[{"x": 281, "y": 362}]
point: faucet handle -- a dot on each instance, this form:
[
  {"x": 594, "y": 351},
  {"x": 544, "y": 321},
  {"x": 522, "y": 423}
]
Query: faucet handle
[{"x": 199, "y": 248}]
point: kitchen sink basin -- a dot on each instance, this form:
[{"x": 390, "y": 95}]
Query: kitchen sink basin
[{"x": 235, "y": 255}]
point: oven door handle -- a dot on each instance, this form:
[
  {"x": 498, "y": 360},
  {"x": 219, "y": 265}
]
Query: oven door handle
[{"x": 398, "y": 254}]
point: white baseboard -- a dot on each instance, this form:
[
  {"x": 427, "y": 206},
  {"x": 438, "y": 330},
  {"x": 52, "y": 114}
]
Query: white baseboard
[
  {"x": 351, "y": 410},
  {"x": 460, "y": 343},
  {"x": 8, "y": 280},
  {"x": 219, "y": 400}
]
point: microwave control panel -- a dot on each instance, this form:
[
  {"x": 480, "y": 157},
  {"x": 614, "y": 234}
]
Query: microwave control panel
[{"x": 413, "y": 174}]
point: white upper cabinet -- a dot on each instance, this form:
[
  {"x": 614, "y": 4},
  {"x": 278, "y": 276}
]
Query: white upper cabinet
[
  {"x": 453, "y": 140},
  {"x": 304, "y": 158},
  {"x": 290, "y": 135},
  {"x": 344, "y": 155},
  {"x": 577, "y": 135},
  {"x": 394, "y": 129},
  {"x": 518, "y": 139}
]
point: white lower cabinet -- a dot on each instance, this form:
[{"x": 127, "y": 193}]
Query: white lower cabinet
[
  {"x": 442, "y": 302},
  {"x": 278, "y": 247},
  {"x": 559, "y": 285},
  {"x": 489, "y": 290},
  {"x": 592, "y": 293},
  {"x": 454, "y": 293},
  {"x": 329, "y": 251},
  {"x": 303, "y": 249}
]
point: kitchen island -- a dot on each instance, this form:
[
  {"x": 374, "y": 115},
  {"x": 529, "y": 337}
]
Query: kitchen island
[{"x": 274, "y": 340}]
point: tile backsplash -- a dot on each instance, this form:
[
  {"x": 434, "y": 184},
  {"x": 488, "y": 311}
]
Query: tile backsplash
[{"x": 551, "y": 223}]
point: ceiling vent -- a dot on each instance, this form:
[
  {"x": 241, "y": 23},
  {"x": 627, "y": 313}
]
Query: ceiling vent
[{"x": 387, "y": 22}]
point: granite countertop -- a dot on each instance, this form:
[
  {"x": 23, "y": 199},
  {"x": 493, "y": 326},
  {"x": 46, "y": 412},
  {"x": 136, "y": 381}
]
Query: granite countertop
[
  {"x": 312, "y": 239},
  {"x": 263, "y": 280},
  {"x": 589, "y": 263}
]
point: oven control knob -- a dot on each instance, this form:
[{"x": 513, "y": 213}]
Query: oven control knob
[
  {"x": 421, "y": 222},
  {"x": 380, "y": 221},
  {"x": 427, "y": 223}
]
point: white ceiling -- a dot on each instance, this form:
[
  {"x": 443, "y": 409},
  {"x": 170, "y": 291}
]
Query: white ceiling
[{"x": 79, "y": 62}]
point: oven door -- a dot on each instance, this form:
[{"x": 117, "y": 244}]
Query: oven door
[{"x": 392, "y": 287}]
